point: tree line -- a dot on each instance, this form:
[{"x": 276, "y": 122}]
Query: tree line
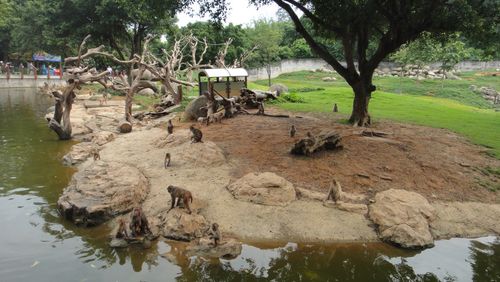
[{"x": 360, "y": 33}]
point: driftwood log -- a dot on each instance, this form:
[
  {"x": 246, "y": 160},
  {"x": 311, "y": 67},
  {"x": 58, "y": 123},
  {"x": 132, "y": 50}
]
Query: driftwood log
[{"x": 310, "y": 144}]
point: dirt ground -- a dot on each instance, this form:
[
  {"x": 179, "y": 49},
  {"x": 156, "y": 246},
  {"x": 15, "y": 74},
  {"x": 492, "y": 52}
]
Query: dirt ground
[
  {"x": 440, "y": 165},
  {"x": 433, "y": 162}
]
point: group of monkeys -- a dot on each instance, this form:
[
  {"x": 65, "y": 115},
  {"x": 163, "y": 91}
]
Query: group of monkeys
[{"x": 139, "y": 225}]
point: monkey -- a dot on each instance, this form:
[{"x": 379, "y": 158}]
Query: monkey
[
  {"x": 214, "y": 234},
  {"x": 104, "y": 99},
  {"x": 292, "y": 130},
  {"x": 335, "y": 191},
  {"x": 197, "y": 135},
  {"x": 177, "y": 194},
  {"x": 261, "y": 109},
  {"x": 122, "y": 230},
  {"x": 96, "y": 154},
  {"x": 139, "y": 223},
  {"x": 167, "y": 160},
  {"x": 335, "y": 108},
  {"x": 170, "y": 127}
]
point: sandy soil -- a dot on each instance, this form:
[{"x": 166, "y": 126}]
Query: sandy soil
[{"x": 438, "y": 164}]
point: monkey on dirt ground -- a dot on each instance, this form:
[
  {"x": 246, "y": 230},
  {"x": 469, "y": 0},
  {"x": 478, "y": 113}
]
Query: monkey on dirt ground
[
  {"x": 177, "y": 194},
  {"x": 197, "y": 135},
  {"x": 293, "y": 130},
  {"x": 139, "y": 223},
  {"x": 167, "y": 160},
  {"x": 170, "y": 127},
  {"x": 122, "y": 230},
  {"x": 214, "y": 234},
  {"x": 96, "y": 155}
]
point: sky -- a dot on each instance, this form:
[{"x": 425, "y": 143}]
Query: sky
[{"x": 240, "y": 13}]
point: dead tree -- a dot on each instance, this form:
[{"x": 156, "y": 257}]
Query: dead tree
[
  {"x": 77, "y": 76},
  {"x": 310, "y": 144}
]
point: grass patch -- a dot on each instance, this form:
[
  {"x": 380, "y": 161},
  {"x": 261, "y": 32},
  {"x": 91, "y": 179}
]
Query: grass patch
[{"x": 452, "y": 105}]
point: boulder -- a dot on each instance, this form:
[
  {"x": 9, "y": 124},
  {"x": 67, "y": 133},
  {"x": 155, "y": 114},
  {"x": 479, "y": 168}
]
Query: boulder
[
  {"x": 227, "y": 249},
  {"x": 146, "y": 92},
  {"x": 278, "y": 88},
  {"x": 79, "y": 153},
  {"x": 146, "y": 75},
  {"x": 181, "y": 226},
  {"x": 118, "y": 243},
  {"x": 194, "y": 109},
  {"x": 101, "y": 192},
  {"x": 265, "y": 189},
  {"x": 195, "y": 154},
  {"x": 403, "y": 218}
]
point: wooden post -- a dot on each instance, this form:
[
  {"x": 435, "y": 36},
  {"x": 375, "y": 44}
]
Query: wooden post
[
  {"x": 48, "y": 72},
  {"x": 60, "y": 70},
  {"x": 228, "y": 87},
  {"x": 35, "y": 71}
]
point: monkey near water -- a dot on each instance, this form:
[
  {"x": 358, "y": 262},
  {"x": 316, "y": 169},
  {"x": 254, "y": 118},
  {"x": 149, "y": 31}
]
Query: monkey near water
[
  {"x": 292, "y": 131},
  {"x": 214, "y": 234},
  {"x": 122, "y": 230},
  {"x": 167, "y": 160},
  {"x": 170, "y": 127},
  {"x": 177, "y": 194},
  {"x": 139, "y": 223},
  {"x": 197, "y": 135}
]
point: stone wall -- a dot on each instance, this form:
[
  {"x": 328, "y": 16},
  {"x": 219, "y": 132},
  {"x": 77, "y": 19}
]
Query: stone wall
[
  {"x": 286, "y": 66},
  {"x": 15, "y": 82}
]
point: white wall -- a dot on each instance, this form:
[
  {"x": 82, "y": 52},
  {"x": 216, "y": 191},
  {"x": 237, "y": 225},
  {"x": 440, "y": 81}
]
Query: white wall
[{"x": 292, "y": 65}]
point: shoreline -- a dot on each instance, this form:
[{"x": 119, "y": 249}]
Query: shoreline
[{"x": 301, "y": 221}]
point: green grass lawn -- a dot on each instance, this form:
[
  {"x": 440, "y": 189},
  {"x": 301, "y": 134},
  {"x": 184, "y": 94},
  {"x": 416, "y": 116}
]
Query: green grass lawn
[{"x": 452, "y": 105}]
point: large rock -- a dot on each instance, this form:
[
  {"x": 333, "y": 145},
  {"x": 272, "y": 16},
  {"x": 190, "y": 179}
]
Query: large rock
[
  {"x": 278, "y": 88},
  {"x": 100, "y": 137},
  {"x": 79, "y": 153},
  {"x": 146, "y": 92},
  {"x": 194, "y": 109},
  {"x": 101, "y": 192},
  {"x": 403, "y": 218},
  {"x": 227, "y": 249},
  {"x": 181, "y": 226},
  {"x": 194, "y": 154},
  {"x": 266, "y": 189}
]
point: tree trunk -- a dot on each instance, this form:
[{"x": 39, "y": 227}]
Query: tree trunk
[
  {"x": 268, "y": 69},
  {"x": 360, "y": 115},
  {"x": 61, "y": 123}
]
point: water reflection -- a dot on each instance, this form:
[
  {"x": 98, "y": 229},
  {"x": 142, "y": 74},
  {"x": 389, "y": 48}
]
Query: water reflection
[{"x": 37, "y": 245}]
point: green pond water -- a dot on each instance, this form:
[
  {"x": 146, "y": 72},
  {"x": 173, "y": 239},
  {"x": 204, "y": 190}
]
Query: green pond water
[{"x": 36, "y": 245}]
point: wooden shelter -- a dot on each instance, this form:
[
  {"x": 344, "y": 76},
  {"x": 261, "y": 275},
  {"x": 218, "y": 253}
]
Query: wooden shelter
[{"x": 226, "y": 81}]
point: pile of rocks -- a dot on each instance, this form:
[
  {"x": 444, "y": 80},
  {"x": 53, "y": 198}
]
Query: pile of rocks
[
  {"x": 488, "y": 93},
  {"x": 414, "y": 71}
]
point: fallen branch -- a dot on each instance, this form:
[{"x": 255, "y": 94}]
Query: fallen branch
[{"x": 310, "y": 144}]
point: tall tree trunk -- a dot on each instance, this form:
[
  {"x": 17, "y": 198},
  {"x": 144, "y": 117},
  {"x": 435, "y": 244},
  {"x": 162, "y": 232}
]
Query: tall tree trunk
[
  {"x": 61, "y": 122},
  {"x": 362, "y": 95}
]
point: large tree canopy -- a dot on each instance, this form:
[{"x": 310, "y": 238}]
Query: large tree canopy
[{"x": 370, "y": 30}]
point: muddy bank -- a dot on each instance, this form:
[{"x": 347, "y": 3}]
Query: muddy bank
[{"x": 232, "y": 150}]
